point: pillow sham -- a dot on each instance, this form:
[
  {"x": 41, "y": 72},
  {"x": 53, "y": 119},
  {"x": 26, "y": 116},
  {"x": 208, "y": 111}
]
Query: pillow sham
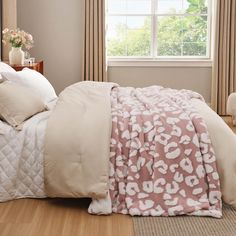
[
  {"x": 18, "y": 103},
  {"x": 33, "y": 80},
  {"x": 5, "y": 68}
]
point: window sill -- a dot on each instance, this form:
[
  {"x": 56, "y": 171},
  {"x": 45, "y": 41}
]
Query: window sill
[{"x": 158, "y": 63}]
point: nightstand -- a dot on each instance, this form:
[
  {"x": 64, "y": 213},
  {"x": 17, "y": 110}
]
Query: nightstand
[{"x": 38, "y": 66}]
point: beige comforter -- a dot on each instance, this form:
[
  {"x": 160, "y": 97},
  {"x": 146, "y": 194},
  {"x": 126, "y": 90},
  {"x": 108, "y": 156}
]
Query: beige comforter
[
  {"x": 224, "y": 143},
  {"x": 77, "y": 142}
]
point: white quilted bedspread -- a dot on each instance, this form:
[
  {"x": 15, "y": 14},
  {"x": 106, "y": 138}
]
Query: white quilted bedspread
[{"x": 21, "y": 159}]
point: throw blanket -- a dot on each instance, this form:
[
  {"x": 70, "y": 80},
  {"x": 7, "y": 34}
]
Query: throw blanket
[
  {"x": 77, "y": 142},
  {"x": 161, "y": 158},
  {"x": 162, "y": 162}
]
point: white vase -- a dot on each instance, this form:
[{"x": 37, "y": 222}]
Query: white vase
[{"x": 16, "y": 56}]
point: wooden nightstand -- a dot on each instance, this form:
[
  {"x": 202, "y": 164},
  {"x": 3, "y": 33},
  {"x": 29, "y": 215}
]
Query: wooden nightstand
[{"x": 38, "y": 66}]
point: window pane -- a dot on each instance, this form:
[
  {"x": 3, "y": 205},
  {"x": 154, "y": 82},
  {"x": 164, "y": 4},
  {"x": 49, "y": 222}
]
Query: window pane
[
  {"x": 195, "y": 36},
  {"x": 138, "y": 36},
  {"x": 196, "y": 6},
  {"x": 139, "y": 6},
  {"x": 182, "y": 6},
  {"x": 169, "y": 6},
  {"x": 169, "y": 35},
  {"x": 194, "y": 49},
  {"x": 169, "y": 49},
  {"x": 129, "y": 36},
  {"x": 182, "y": 36},
  {"x": 129, "y": 6},
  {"x": 116, "y": 36},
  {"x": 116, "y": 6},
  {"x": 195, "y": 29},
  {"x": 182, "y": 28}
]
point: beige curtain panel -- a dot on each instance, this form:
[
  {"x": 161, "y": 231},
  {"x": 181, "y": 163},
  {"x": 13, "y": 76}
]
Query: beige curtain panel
[
  {"x": 94, "y": 53},
  {"x": 224, "y": 64}
]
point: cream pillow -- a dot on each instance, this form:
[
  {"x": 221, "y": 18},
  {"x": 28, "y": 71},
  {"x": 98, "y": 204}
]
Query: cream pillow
[
  {"x": 33, "y": 80},
  {"x": 5, "y": 68},
  {"x": 18, "y": 103}
]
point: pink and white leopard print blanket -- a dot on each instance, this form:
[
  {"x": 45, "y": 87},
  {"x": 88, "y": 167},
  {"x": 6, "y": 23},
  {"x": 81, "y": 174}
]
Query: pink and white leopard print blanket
[{"x": 162, "y": 161}]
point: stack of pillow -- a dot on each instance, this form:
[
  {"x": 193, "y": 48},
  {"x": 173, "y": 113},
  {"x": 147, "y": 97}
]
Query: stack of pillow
[{"x": 23, "y": 94}]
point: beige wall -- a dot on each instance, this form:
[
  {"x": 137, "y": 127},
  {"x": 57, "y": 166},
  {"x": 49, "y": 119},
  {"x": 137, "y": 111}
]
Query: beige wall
[
  {"x": 57, "y": 28},
  {"x": 9, "y": 19},
  {"x": 194, "y": 78}
]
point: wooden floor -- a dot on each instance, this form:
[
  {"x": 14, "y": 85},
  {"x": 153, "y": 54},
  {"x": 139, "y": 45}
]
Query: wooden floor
[{"x": 31, "y": 217}]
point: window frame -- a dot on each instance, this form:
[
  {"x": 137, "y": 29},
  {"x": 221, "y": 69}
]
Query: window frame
[{"x": 154, "y": 59}]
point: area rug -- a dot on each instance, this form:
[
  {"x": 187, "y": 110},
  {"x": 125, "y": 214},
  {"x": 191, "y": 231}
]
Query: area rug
[{"x": 187, "y": 225}]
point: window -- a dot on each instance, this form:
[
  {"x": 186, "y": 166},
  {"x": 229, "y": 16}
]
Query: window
[{"x": 158, "y": 28}]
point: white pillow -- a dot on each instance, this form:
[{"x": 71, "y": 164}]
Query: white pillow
[
  {"x": 18, "y": 103},
  {"x": 34, "y": 80},
  {"x": 5, "y": 68}
]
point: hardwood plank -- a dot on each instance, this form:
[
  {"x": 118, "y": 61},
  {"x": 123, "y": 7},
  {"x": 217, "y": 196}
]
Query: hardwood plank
[
  {"x": 18, "y": 211},
  {"x": 59, "y": 217}
]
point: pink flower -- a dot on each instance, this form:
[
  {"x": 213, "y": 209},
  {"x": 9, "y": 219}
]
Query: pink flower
[
  {"x": 28, "y": 47},
  {"x": 18, "y": 38},
  {"x": 30, "y": 37},
  {"x": 5, "y": 30}
]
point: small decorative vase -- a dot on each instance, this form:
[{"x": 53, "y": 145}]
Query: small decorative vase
[{"x": 16, "y": 56}]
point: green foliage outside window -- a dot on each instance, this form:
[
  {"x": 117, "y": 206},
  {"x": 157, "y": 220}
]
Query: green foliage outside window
[{"x": 176, "y": 35}]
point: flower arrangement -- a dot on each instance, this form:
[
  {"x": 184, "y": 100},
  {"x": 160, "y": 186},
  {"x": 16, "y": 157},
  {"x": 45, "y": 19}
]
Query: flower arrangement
[{"x": 17, "y": 38}]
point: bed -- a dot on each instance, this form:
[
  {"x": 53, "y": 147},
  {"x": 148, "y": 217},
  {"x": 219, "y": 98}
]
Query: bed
[{"x": 31, "y": 166}]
